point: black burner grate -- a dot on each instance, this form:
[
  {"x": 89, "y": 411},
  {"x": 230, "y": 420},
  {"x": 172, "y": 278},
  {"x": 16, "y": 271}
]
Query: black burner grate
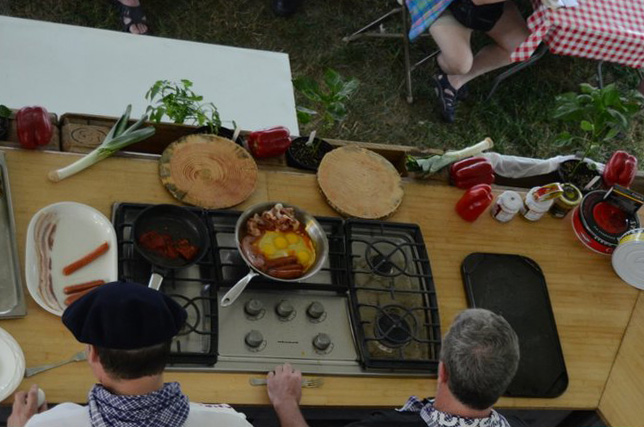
[
  {"x": 393, "y": 300},
  {"x": 196, "y": 292},
  {"x": 384, "y": 266},
  {"x": 196, "y": 287}
]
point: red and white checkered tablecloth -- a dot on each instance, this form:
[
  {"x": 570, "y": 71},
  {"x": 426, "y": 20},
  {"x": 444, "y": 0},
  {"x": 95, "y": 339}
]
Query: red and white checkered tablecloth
[{"x": 607, "y": 30}]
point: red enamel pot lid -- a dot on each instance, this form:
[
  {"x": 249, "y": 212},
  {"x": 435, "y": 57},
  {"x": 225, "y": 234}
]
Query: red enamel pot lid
[{"x": 604, "y": 220}]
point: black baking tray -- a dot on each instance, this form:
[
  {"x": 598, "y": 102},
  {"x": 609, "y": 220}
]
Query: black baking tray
[{"x": 514, "y": 287}]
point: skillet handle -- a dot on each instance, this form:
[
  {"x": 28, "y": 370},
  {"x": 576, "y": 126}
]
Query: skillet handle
[
  {"x": 236, "y": 290},
  {"x": 155, "y": 281}
]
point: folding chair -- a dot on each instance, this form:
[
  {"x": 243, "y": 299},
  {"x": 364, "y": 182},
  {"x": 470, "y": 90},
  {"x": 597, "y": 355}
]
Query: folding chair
[{"x": 368, "y": 31}]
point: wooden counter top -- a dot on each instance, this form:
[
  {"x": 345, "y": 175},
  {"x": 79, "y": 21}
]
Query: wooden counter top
[{"x": 592, "y": 306}]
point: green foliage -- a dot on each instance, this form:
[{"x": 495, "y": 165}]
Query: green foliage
[
  {"x": 600, "y": 115},
  {"x": 518, "y": 117},
  {"x": 4, "y": 112},
  {"x": 329, "y": 99},
  {"x": 181, "y": 105}
]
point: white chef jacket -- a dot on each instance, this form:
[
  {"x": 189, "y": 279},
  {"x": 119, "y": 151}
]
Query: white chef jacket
[{"x": 73, "y": 415}]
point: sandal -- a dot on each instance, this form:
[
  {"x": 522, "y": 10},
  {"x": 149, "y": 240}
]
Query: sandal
[
  {"x": 463, "y": 92},
  {"x": 447, "y": 96},
  {"x": 135, "y": 15}
]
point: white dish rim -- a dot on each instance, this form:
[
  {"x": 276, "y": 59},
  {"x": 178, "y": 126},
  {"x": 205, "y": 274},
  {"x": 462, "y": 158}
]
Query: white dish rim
[
  {"x": 30, "y": 256},
  {"x": 20, "y": 366}
]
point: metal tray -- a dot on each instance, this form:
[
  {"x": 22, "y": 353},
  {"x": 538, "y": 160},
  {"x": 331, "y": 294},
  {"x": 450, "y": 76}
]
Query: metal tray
[{"x": 12, "y": 299}]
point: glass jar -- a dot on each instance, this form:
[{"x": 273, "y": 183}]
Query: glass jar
[{"x": 566, "y": 202}]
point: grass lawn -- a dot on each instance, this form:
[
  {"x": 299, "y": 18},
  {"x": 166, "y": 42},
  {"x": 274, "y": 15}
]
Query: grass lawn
[{"x": 517, "y": 118}]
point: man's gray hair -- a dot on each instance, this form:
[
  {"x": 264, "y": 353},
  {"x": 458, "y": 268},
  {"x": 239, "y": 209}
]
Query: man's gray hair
[{"x": 481, "y": 354}]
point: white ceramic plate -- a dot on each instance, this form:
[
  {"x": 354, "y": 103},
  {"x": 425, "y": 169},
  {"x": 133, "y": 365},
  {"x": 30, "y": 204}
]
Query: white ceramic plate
[
  {"x": 12, "y": 364},
  {"x": 80, "y": 229}
]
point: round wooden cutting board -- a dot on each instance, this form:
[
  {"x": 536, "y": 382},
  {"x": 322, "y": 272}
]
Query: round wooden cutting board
[
  {"x": 360, "y": 183},
  {"x": 208, "y": 171}
]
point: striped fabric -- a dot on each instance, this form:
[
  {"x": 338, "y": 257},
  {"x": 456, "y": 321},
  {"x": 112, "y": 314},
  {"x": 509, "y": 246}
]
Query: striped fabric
[{"x": 423, "y": 14}]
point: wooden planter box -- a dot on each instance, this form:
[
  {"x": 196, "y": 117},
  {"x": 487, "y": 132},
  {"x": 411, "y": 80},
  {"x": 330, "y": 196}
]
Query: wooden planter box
[
  {"x": 11, "y": 140},
  {"x": 81, "y": 133}
]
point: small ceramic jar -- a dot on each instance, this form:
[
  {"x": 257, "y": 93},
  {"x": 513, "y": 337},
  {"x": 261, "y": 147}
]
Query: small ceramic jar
[
  {"x": 533, "y": 209},
  {"x": 507, "y": 205}
]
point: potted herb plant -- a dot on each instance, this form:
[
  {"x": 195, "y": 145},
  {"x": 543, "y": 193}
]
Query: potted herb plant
[
  {"x": 601, "y": 114},
  {"x": 328, "y": 111},
  {"x": 182, "y": 105}
]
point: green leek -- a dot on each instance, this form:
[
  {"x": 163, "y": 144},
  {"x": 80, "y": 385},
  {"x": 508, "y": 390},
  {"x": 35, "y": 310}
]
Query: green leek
[
  {"x": 430, "y": 165},
  {"x": 119, "y": 137}
]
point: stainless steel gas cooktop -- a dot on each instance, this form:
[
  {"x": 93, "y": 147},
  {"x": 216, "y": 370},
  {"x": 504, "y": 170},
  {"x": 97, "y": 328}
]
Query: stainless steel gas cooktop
[{"x": 371, "y": 310}]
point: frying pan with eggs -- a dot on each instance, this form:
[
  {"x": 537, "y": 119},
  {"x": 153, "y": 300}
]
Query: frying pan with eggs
[{"x": 312, "y": 228}]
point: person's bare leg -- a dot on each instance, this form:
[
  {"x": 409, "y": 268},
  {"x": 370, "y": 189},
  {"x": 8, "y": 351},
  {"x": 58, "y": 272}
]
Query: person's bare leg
[
  {"x": 453, "y": 40},
  {"x": 135, "y": 28},
  {"x": 508, "y": 33}
]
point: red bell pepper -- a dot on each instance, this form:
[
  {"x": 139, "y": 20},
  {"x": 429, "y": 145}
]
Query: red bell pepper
[
  {"x": 269, "y": 142},
  {"x": 469, "y": 172},
  {"x": 475, "y": 200},
  {"x": 620, "y": 169},
  {"x": 34, "y": 127}
]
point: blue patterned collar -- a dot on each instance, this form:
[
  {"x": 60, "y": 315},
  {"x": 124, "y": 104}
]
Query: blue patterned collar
[{"x": 167, "y": 407}]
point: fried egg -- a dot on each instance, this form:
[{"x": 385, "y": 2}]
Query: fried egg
[{"x": 277, "y": 244}]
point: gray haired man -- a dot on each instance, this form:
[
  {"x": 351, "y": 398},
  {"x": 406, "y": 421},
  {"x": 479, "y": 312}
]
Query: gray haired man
[{"x": 479, "y": 357}]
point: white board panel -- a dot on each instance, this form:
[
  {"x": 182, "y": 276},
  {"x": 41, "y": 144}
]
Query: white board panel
[{"x": 70, "y": 69}]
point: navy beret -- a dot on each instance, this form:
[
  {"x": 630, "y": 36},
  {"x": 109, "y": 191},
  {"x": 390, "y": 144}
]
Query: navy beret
[{"x": 124, "y": 316}]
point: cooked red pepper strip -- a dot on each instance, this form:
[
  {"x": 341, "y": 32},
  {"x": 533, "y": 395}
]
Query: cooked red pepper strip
[
  {"x": 469, "y": 172},
  {"x": 34, "y": 127},
  {"x": 620, "y": 169},
  {"x": 269, "y": 142}
]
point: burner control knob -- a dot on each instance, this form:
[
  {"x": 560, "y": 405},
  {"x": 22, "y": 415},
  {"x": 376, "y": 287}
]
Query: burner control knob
[
  {"x": 321, "y": 342},
  {"x": 315, "y": 310},
  {"x": 284, "y": 309},
  {"x": 254, "y": 339},
  {"x": 253, "y": 307}
]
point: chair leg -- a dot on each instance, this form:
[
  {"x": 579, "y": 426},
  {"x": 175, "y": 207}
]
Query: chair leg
[
  {"x": 425, "y": 59},
  {"x": 361, "y": 31},
  {"x": 366, "y": 31},
  {"x": 408, "y": 68},
  {"x": 542, "y": 50},
  {"x": 600, "y": 75}
]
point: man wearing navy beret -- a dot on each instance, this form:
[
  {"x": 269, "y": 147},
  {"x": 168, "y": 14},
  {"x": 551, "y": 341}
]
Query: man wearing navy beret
[{"x": 128, "y": 329}]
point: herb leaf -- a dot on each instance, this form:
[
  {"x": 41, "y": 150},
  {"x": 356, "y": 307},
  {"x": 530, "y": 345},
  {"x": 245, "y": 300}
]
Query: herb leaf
[{"x": 180, "y": 104}]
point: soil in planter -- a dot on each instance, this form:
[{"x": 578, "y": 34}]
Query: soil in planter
[
  {"x": 583, "y": 175},
  {"x": 4, "y": 128},
  {"x": 301, "y": 156},
  {"x": 224, "y": 132}
]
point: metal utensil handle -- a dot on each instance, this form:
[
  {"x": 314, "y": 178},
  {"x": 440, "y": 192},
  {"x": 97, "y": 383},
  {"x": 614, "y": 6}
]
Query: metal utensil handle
[
  {"x": 236, "y": 290},
  {"x": 314, "y": 382},
  {"x": 38, "y": 369},
  {"x": 155, "y": 281}
]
